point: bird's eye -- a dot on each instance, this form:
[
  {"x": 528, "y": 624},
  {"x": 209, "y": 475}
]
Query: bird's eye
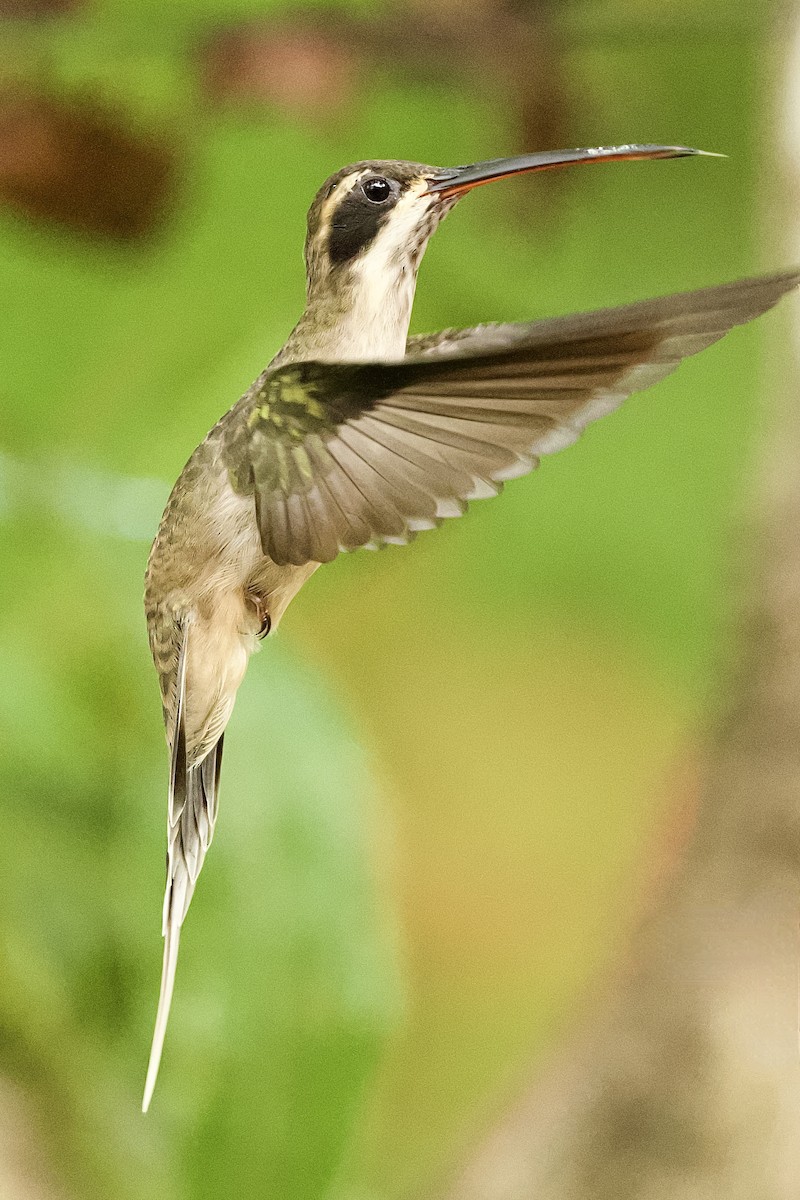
[{"x": 377, "y": 190}]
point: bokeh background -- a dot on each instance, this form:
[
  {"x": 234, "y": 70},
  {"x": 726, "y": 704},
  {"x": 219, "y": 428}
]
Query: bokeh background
[{"x": 455, "y": 777}]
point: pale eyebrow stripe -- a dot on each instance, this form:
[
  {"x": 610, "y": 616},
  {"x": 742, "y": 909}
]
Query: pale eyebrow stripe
[{"x": 333, "y": 202}]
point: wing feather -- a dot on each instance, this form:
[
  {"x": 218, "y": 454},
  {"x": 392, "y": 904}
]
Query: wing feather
[
  {"x": 351, "y": 513},
  {"x": 380, "y": 508},
  {"x": 341, "y": 455}
]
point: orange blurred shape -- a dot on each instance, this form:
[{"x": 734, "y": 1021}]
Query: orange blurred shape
[{"x": 307, "y": 72}]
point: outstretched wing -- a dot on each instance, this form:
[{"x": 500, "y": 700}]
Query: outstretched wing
[{"x": 341, "y": 455}]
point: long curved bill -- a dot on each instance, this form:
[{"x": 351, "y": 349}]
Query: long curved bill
[{"x": 456, "y": 181}]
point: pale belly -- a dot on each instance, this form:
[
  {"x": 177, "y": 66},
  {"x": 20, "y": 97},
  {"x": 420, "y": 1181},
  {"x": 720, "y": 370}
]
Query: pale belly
[{"x": 208, "y": 574}]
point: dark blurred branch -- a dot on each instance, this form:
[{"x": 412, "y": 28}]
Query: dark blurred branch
[{"x": 687, "y": 1083}]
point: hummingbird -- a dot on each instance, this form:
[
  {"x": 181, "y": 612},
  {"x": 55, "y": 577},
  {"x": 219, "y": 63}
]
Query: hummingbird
[{"x": 357, "y": 435}]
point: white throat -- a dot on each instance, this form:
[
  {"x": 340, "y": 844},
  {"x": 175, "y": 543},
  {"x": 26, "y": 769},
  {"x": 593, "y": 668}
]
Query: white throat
[
  {"x": 384, "y": 280},
  {"x": 368, "y": 319},
  {"x": 375, "y": 327}
]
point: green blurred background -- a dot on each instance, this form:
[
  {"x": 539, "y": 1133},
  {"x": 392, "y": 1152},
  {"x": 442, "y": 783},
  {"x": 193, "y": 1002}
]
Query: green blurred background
[{"x": 453, "y": 778}]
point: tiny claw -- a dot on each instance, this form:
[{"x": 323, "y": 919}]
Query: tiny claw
[{"x": 263, "y": 617}]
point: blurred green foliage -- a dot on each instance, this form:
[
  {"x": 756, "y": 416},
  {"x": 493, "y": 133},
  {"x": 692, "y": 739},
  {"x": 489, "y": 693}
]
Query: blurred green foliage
[{"x": 508, "y": 675}]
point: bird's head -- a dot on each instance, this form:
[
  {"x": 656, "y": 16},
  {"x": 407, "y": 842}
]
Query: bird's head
[
  {"x": 374, "y": 219},
  {"x": 370, "y": 223}
]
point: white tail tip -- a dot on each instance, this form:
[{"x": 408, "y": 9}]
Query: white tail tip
[{"x": 171, "y": 943}]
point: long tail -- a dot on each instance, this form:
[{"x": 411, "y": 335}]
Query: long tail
[{"x": 192, "y": 815}]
